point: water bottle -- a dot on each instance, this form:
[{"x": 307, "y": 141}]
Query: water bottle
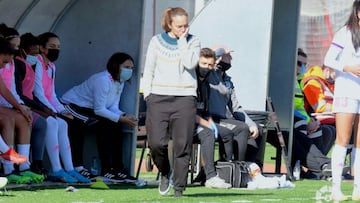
[
  {"x": 95, "y": 167},
  {"x": 296, "y": 171}
]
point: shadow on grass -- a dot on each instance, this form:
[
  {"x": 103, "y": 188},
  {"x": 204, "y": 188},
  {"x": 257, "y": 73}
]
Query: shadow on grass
[
  {"x": 227, "y": 194},
  {"x": 50, "y": 185}
]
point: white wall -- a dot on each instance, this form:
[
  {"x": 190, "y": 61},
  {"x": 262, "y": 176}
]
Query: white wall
[{"x": 244, "y": 26}]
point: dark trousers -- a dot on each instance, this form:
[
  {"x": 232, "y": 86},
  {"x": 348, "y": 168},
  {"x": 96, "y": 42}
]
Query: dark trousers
[
  {"x": 253, "y": 148},
  {"x": 233, "y": 139},
  {"x": 171, "y": 117},
  {"x": 108, "y": 134},
  {"x": 307, "y": 152},
  {"x": 206, "y": 138},
  {"x": 327, "y": 140}
]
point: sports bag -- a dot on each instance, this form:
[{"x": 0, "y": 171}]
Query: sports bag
[{"x": 236, "y": 173}]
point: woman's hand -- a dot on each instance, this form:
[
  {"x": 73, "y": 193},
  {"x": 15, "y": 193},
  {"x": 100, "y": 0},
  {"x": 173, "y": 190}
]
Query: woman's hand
[
  {"x": 353, "y": 69},
  {"x": 128, "y": 120},
  {"x": 185, "y": 34},
  {"x": 26, "y": 112},
  {"x": 67, "y": 114}
]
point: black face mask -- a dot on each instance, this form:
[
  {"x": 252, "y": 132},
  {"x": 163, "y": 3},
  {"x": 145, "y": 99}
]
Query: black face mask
[
  {"x": 203, "y": 71},
  {"x": 224, "y": 66},
  {"x": 330, "y": 80},
  {"x": 17, "y": 52},
  {"x": 53, "y": 54}
]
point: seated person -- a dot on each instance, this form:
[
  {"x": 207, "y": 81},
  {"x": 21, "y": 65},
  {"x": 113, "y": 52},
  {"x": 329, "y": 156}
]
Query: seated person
[
  {"x": 95, "y": 105},
  {"x": 7, "y": 124},
  {"x": 24, "y": 82},
  {"x": 206, "y": 130},
  {"x": 322, "y": 136},
  {"x": 310, "y": 146},
  {"x": 235, "y": 127},
  {"x": 22, "y": 125},
  {"x": 318, "y": 88},
  {"x": 56, "y": 138}
]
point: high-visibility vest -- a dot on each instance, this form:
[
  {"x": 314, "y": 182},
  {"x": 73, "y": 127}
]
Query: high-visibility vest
[{"x": 299, "y": 105}]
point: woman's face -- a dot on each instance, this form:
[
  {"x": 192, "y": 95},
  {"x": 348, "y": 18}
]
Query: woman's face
[
  {"x": 15, "y": 43},
  {"x": 127, "y": 64},
  {"x": 53, "y": 43},
  {"x": 33, "y": 50},
  {"x": 178, "y": 25}
]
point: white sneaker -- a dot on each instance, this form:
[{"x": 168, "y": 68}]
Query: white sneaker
[
  {"x": 3, "y": 182},
  {"x": 217, "y": 182},
  {"x": 338, "y": 196}
]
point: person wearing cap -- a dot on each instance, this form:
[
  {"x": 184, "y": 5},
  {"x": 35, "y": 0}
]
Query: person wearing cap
[
  {"x": 206, "y": 129},
  {"x": 227, "y": 112}
]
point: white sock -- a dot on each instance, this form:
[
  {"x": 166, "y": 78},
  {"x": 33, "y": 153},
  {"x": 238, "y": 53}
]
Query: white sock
[
  {"x": 337, "y": 165},
  {"x": 51, "y": 143},
  {"x": 352, "y": 156},
  {"x": 24, "y": 149},
  {"x": 64, "y": 144},
  {"x": 356, "y": 190},
  {"x": 3, "y": 146},
  {"x": 8, "y": 167}
]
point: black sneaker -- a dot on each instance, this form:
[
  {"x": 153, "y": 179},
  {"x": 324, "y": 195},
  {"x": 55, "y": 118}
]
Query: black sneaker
[
  {"x": 38, "y": 168},
  {"x": 113, "y": 177},
  {"x": 86, "y": 173},
  {"x": 127, "y": 178},
  {"x": 164, "y": 185},
  {"x": 201, "y": 177}
]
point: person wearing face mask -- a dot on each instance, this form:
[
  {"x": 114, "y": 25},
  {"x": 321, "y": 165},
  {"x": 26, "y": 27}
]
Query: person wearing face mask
[
  {"x": 311, "y": 140},
  {"x": 95, "y": 106},
  {"x": 56, "y": 139},
  {"x": 25, "y": 80},
  {"x": 238, "y": 134},
  {"x": 7, "y": 139},
  {"x": 23, "y": 128},
  {"x": 206, "y": 129}
]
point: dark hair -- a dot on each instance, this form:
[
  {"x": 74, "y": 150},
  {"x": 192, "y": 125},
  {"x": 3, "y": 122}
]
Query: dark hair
[
  {"x": 207, "y": 53},
  {"x": 353, "y": 24},
  {"x": 114, "y": 63},
  {"x": 8, "y": 32},
  {"x": 168, "y": 14},
  {"x": 5, "y": 47},
  {"x": 44, "y": 38},
  {"x": 300, "y": 52},
  {"x": 28, "y": 40}
]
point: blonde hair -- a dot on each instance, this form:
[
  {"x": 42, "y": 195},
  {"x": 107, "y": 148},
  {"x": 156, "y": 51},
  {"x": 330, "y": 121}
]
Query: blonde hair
[{"x": 168, "y": 14}]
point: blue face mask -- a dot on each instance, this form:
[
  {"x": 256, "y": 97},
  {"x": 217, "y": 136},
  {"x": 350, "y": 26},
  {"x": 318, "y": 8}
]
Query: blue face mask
[
  {"x": 126, "y": 74},
  {"x": 31, "y": 59}
]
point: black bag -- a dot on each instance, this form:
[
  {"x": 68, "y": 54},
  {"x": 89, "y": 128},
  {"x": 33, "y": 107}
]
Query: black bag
[{"x": 236, "y": 173}]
